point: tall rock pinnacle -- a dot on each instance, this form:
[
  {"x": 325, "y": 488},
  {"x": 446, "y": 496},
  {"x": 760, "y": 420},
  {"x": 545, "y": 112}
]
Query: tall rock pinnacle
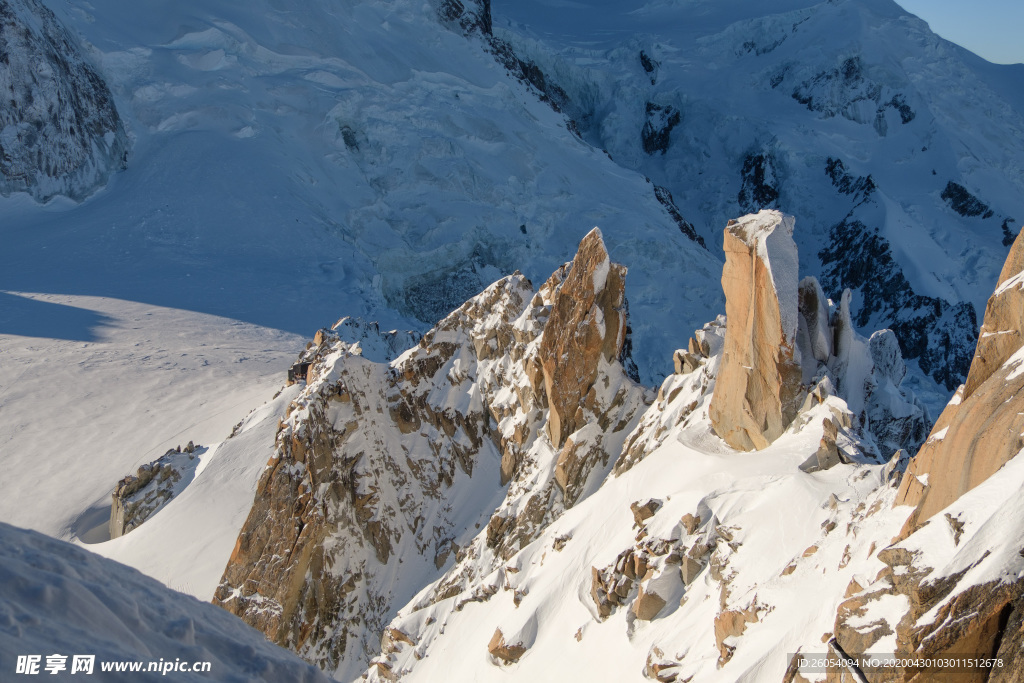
[{"x": 759, "y": 378}]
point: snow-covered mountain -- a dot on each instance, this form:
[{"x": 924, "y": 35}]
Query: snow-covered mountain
[
  {"x": 61, "y": 133},
  {"x": 510, "y": 494},
  {"x": 491, "y": 503},
  {"x": 244, "y": 215},
  {"x": 900, "y": 152}
]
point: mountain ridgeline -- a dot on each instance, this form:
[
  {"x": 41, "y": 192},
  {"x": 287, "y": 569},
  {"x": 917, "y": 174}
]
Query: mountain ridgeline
[
  {"x": 796, "y": 106},
  {"x": 519, "y": 491},
  {"x": 503, "y": 487}
]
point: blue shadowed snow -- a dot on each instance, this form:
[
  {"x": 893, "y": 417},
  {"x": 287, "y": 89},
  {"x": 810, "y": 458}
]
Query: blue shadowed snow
[{"x": 26, "y": 316}]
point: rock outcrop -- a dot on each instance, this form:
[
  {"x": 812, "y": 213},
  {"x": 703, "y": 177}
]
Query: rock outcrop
[
  {"x": 758, "y": 380},
  {"x": 456, "y": 460},
  {"x": 445, "y": 461},
  {"x": 951, "y": 590},
  {"x": 981, "y": 428},
  {"x": 783, "y": 339},
  {"x": 956, "y": 572},
  {"x": 587, "y": 323},
  {"x": 505, "y": 652},
  {"x": 138, "y": 497},
  {"x": 61, "y": 133}
]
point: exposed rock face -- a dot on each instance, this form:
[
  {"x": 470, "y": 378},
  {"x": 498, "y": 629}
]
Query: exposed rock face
[
  {"x": 380, "y": 465},
  {"x": 664, "y": 196},
  {"x": 468, "y": 17},
  {"x": 343, "y": 499},
  {"x": 657, "y": 131},
  {"x": 731, "y": 623},
  {"x": 957, "y": 570},
  {"x": 647, "y": 604},
  {"x": 963, "y": 202},
  {"x": 378, "y": 345},
  {"x": 782, "y": 339},
  {"x": 826, "y": 360},
  {"x": 587, "y": 323},
  {"x": 952, "y": 588},
  {"x": 452, "y": 462},
  {"x": 760, "y": 188},
  {"x": 137, "y": 498},
  {"x": 61, "y": 133},
  {"x": 646, "y": 577},
  {"x": 980, "y": 429},
  {"x": 759, "y": 376},
  {"x": 838, "y": 91}
]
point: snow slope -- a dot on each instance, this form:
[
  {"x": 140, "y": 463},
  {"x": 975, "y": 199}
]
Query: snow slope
[
  {"x": 59, "y": 599},
  {"x": 774, "y": 547},
  {"x": 93, "y": 387},
  {"x": 186, "y": 544}
]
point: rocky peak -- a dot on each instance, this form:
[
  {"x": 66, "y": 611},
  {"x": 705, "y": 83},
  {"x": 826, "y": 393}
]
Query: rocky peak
[
  {"x": 759, "y": 376},
  {"x": 446, "y": 460},
  {"x": 979, "y": 431},
  {"x": 786, "y": 345},
  {"x": 587, "y": 324}
]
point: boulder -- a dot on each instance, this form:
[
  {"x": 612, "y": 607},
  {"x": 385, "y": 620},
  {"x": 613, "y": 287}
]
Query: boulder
[
  {"x": 689, "y": 568},
  {"x": 641, "y": 513},
  {"x": 729, "y": 624},
  {"x": 685, "y": 362},
  {"x": 759, "y": 375},
  {"x": 647, "y": 604},
  {"x": 503, "y": 651}
]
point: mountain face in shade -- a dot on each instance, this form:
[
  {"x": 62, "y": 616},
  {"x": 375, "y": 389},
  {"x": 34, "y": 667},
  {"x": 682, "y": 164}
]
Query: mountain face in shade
[
  {"x": 61, "y": 133},
  {"x": 899, "y": 152}
]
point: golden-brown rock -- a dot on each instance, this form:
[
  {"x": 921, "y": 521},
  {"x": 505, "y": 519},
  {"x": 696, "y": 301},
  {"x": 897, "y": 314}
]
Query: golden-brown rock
[
  {"x": 587, "y": 323},
  {"x": 371, "y": 454},
  {"x": 506, "y": 652},
  {"x": 758, "y": 379},
  {"x": 647, "y": 604},
  {"x": 731, "y": 623},
  {"x": 980, "y": 429}
]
